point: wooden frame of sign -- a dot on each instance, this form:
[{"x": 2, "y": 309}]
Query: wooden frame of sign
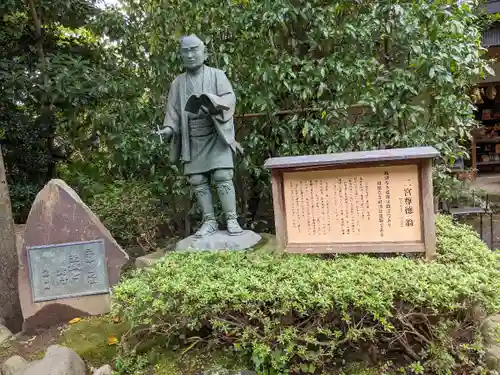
[{"x": 357, "y": 202}]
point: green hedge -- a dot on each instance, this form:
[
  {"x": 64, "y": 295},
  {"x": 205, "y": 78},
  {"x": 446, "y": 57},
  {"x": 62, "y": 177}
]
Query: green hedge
[{"x": 311, "y": 314}]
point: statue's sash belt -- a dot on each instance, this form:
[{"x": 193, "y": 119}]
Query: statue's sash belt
[{"x": 200, "y": 127}]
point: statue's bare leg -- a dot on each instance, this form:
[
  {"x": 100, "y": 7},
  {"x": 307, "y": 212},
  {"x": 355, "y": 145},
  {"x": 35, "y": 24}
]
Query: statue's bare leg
[
  {"x": 223, "y": 179},
  {"x": 203, "y": 194}
]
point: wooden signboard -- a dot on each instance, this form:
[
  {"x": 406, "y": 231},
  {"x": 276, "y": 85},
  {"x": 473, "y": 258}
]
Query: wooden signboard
[{"x": 374, "y": 201}]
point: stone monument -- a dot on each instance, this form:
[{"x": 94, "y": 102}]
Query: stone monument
[
  {"x": 200, "y": 127},
  {"x": 68, "y": 260}
]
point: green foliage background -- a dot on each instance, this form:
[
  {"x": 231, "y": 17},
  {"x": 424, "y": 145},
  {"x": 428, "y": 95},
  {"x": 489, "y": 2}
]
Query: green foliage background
[
  {"x": 82, "y": 87},
  {"x": 406, "y": 65}
]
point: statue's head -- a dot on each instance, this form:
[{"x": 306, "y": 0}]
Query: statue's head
[{"x": 193, "y": 52}]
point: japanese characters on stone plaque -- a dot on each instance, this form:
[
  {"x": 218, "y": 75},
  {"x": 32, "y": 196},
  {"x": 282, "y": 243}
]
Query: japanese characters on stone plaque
[
  {"x": 67, "y": 270},
  {"x": 353, "y": 205}
]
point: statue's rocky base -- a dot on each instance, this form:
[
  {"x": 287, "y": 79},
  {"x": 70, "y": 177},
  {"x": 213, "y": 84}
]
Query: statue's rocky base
[{"x": 220, "y": 240}]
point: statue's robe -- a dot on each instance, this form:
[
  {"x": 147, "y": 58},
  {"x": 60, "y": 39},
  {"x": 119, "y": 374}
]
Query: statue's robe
[{"x": 201, "y": 142}]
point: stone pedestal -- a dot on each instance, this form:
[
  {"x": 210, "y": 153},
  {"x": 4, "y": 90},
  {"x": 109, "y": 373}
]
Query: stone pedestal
[{"x": 221, "y": 240}]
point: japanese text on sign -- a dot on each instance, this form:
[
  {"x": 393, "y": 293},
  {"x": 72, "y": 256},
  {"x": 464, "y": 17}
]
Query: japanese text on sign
[
  {"x": 353, "y": 205},
  {"x": 67, "y": 270}
]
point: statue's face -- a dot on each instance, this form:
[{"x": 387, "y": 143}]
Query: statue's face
[{"x": 193, "y": 54}]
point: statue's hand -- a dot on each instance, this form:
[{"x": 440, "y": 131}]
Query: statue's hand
[
  {"x": 211, "y": 110},
  {"x": 238, "y": 148},
  {"x": 215, "y": 110},
  {"x": 167, "y": 131}
]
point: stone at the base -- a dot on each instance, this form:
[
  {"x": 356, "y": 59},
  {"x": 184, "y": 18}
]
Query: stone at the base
[
  {"x": 58, "y": 360},
  {"x": 5, "y": 334},
  {"x": 149, "y": 259},
  {"x": 14, "y": 366},
  {"x": 221, "y": 240},
  {"x": 104, "y": 370},
  {"x": 491, "y": 340}
]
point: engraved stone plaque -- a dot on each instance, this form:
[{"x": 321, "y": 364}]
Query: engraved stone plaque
[{"x": 68, "y": 270}]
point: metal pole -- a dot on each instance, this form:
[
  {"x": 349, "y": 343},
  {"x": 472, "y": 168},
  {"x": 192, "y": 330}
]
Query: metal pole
[
  {"x": 481, "y": 225},
  {"x": 491, "y": 230}
]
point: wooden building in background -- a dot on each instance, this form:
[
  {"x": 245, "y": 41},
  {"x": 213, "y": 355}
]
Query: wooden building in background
[{"x": 485, "y": 147}]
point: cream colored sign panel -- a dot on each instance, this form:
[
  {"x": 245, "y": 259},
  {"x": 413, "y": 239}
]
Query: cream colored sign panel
[{"x": 380, "y": 204}]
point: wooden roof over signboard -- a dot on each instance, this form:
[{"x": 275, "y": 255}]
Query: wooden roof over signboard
[{"x": 346, "y": 158}]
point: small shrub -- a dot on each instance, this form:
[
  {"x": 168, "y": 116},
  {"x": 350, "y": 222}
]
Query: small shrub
[
  {"x": 307, "y": 314},
  {"x": 131, "y": 213},
  {"x": 22, "y": 196}
]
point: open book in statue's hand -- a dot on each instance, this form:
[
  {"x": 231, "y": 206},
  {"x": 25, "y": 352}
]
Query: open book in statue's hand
[{"x": 208, "y": 101}]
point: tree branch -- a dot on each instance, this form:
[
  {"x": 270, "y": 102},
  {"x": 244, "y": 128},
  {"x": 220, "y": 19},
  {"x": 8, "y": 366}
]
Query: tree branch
[
  {"x": 38, "y": 30},
  {"x": 289, "y": 112}
]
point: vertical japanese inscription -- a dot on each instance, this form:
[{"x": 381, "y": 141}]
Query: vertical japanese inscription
[
  {"x": 380, "y": 206},
  {"x": 66, "y": 270},
  {"x": 328, "y": 210},
  {"x": 62, "y": 275},
  {"x": 296, "y": 206},
  {"x": 387, "y": 199},
  {"x": 46, "y": 279},
  {"x": 90, "y": 265},
  {"x": 367, "y": 200},
  {"x": 343, "y": 221},
  {"x": 357, "y": 204},
  {"x": 353, "y": 205},
  {"x": 75, "y": 266},
  {"x": 408, "y": 204}
]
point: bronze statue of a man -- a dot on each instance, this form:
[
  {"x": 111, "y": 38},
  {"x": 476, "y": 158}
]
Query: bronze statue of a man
[{"x": 204, "y": 141}]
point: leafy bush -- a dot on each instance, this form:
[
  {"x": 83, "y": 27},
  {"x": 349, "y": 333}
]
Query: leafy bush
[
  {"x": 304, "y": 313},
  {"x": 131, "y": 212}
]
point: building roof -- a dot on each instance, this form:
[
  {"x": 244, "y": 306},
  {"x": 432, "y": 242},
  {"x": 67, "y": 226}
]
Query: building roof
[
  {"x": 493, "y": 6},
  {"x": 491, "y": 37}
]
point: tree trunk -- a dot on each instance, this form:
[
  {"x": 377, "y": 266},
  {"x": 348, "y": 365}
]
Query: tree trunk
[
  {"x": 10, "y": 308},
  {"x": 47, "y": 109}
]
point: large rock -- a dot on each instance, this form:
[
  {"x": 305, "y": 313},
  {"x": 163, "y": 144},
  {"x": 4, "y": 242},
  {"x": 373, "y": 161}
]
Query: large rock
[
  {"x": 57, "y": 216},
  {"x": 221, "y": 240},
  {"x": 58, "y": 360},
  {"x": 5, "y": 334},
  {"x": 104, "y": 370},
  {"x": 490, "y": 330},
  {"x": 14, "y": 366}
]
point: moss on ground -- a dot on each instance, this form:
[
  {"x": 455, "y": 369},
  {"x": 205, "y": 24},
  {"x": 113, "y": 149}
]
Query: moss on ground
[
  {"x": 95, "y": 339},
  {"x": 5, "y": 351},
  {"x": 181, "y": 362}
]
